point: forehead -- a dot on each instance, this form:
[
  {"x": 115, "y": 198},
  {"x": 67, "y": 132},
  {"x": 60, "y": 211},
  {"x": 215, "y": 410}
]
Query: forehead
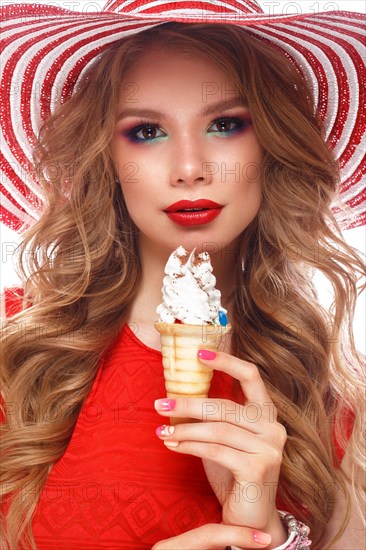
[{"x": 165, "y": 75}]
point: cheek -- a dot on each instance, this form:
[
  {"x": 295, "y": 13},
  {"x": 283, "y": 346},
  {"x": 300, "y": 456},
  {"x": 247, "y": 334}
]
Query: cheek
[
  {"x": 247, "y": 197},
  {"x": 242, "y": 161},
  {"x": 137, "y": 189},
  {"x": 253, "y": 196},
  {"x": 129, "y": 175},
  {"x": 252, "y": 173},
  {"x": 136, "y": 166},
  {"x": 126, "y": 165}
]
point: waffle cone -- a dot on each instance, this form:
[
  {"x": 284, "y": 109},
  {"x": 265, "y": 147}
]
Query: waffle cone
[{"x": 184, "y": 375}]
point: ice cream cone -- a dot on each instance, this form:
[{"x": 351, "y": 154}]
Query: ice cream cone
[{"x": 184, "y": 375}]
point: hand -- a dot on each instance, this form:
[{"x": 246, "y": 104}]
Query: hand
[
  {"x": 215, "y": 537},
  {"x": 240, "y": 444}
]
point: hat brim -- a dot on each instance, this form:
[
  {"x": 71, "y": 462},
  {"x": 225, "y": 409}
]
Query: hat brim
[{"x": 45, "y": 51}]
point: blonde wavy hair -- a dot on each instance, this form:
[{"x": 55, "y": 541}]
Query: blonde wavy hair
[{"x": 80, "y": 270}]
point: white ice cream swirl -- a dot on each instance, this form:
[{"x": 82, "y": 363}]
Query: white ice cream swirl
[{"x": 189, "y": 293}]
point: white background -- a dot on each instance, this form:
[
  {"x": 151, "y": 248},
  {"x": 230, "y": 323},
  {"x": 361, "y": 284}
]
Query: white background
[{"x": 354, "y": 237}]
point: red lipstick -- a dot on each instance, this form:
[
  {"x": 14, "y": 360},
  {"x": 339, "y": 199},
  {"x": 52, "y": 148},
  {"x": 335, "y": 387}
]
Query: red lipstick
[{"x": 196, "y": 212}]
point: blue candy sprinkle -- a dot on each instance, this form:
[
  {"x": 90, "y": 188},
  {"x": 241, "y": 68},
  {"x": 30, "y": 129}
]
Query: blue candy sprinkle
[{"x": 222, "y": 318}]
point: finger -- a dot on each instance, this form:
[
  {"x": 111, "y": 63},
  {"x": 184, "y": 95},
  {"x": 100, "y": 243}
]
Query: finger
[
  {"x": 215, "y": 537},
  {"x": 215, "y": 410},
  {"x": 246, "y": 373},
  {"x": 225, "y": 444},
  {"x": 216, "y": 432}
]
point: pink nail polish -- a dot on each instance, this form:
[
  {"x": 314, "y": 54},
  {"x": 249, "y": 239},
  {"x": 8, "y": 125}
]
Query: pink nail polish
[
  {"x": 261, "y": 538},
  {"x": 164, "y": 404},
  {"x": 164, "y": 430},
  {"x": 206, "y": 354}
]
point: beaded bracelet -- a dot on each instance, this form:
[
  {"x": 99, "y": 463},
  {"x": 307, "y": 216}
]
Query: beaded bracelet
[{"x": 298, "y": 533}]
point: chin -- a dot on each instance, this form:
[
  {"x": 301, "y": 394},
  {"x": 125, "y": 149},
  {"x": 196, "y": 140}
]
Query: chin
[{"x": 205, "y": 243}]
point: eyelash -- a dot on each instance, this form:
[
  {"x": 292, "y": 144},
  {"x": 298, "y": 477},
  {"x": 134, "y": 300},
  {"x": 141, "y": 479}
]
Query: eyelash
[{"x": 242, "y": 124}]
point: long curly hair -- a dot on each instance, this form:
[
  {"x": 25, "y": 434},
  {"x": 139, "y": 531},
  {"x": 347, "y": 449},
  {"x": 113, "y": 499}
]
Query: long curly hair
[{"x": 80, "y": 269}]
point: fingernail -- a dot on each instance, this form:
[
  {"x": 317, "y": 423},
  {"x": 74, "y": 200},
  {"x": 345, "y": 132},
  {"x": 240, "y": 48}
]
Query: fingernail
[
  {"x": 261, "y": 538},
  {"x": 164, "y": 430},
  {"x": 171, "y": 443},
  {"x": 206, "y": 354},
  {"x": 164, "y": 404}
]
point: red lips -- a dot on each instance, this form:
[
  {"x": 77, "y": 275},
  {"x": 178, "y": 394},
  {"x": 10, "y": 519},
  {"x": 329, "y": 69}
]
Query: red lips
[
  {"x": 186, "y": 205},
  {"x": 197, "y": 212}
]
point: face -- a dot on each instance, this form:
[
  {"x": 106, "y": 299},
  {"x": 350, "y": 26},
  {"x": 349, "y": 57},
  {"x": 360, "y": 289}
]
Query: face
[{"x": 186, "y": 154}]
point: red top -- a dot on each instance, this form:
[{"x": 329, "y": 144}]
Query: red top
[{"x": 117, "y": 486}]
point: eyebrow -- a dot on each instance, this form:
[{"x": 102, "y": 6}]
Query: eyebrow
[{"x": 209, "y": 110}]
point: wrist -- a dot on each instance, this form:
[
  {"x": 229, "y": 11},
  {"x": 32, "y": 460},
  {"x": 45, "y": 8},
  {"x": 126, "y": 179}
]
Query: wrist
[{"x": 277, "y": 530}]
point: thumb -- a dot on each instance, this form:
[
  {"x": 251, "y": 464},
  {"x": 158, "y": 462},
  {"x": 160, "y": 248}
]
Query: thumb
[{"x": 214, "y": 536}]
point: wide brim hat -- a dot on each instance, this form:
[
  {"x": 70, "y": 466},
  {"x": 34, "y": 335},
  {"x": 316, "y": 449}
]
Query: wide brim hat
[{"x": 46, "y": 50}]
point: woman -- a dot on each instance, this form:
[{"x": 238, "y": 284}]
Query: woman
[{"x": 237, "y": 127}]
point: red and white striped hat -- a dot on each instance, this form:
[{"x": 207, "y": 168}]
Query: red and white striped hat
[{"x": 45, "y": 51}]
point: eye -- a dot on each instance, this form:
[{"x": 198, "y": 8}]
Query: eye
[
  {"x": 144, "y": 132},
  {"x": 229, "y": 125}
]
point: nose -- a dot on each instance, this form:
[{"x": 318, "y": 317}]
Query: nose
[{"x": 190, "y": 165}]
